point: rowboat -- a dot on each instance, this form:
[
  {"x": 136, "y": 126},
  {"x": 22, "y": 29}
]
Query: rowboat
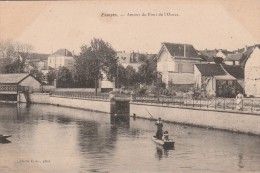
[
  {"x": 164, "y": 143},
  {"x": 2, "y": 137}
]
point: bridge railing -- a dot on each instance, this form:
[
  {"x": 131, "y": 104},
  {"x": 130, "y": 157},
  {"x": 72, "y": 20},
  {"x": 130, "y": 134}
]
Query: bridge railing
[{"x": 248, "y": 105}]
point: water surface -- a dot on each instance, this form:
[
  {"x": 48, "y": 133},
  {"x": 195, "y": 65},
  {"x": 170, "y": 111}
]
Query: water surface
[{"x": 63, "y": 140}]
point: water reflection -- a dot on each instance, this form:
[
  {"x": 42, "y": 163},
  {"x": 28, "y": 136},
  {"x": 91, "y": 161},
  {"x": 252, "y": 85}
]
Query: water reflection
[
  {"x": 161, "y": 152},
  {"x": 240, "y": 160},
  {"x": 82, "y": 141},
  {"x": 4, "y": 141}
]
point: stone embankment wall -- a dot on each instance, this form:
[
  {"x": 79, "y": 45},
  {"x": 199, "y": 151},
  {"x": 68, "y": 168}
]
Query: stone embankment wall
[
  {"x": 232, "y": 121},
  {"x": 88, "y": 104}
]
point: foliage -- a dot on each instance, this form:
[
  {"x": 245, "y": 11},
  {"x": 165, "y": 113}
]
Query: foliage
[
  {"x": 51, "y": 75},
  {"x": 10, "y": 52},
  {"x": 37, "y": 74},
  {"x": 147, "y": 71},
  {"x": 93, "y": 59},
  {"x": 142, "y": 58},
  {"x": 17, "y": 66},
  {"x": 64, "y": 78}
]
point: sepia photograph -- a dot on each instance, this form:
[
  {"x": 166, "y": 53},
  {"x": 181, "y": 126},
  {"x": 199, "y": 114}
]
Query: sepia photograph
[{"x": 139, "y": 86}]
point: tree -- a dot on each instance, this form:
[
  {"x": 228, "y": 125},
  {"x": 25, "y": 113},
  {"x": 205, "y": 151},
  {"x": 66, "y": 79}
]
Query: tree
[
  {"x": 98, "y": 56},
  {"x": 37, "y": 74},
  {"x": 11, "y": 55},
  {"x": 64, "y": 78},
  {"x": 16, "y": 66},
  {"x": 51, "y": 75},
  {"x": 147, "y": 71},
  {"x": 132, "y": 76}
]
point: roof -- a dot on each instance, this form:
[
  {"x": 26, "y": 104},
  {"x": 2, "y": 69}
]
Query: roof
[
  {"x": 12, "y": 78},
  {"x": 207, "y": 58},
  {"x": 224, "y": 51},
  {"x": 209, "y": 53},
  {"x": 30, "y": 56},
  {"x": 62, "y": 52},
  {"x": 40, "y": 56},
  {"x": 210, "y": 69},
  {"x": 247, "y": 54},
  {"x": 176, "y": 49},
  {"x": 234, "y": 57},
  {"x": 235, "y": 70}
]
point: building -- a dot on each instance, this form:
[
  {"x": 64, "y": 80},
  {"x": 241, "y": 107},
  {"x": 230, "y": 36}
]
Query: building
[
  {"x": 251, "y": 65},
  {"x": 215, "y": 80},
  {"x": 237, "y": 72},
  {"x": 61, "y": 58},
  {"x": 12, "y": 84},
  {"x": 222, "y": 53},
  {"x": 129, "y": 59},
  {"x": 233, "y": 58},
  {"x": 176, "y": 62}
]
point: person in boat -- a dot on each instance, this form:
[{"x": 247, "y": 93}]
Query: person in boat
[
  {"x": 166, "y": 135},
  {"x": 159, "y": 133}
]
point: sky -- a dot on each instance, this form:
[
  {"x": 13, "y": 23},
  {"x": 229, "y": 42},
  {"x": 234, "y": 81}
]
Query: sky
[{"x": 50, "y": 26}]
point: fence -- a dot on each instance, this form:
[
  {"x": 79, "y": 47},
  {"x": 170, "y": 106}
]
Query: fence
[
  {"x": 8, "y": 88},
  {"x": 251, "y": 105},
  {"x": 247, "y": 105},
  {"x": 81, "y": 95}
]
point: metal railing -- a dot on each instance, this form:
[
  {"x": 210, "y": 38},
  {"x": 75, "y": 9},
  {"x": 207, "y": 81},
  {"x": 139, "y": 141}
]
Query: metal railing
[
  {"x": 229, "y": 104},
  {"x": 8, "y": 88},
  {"x": 81, "y": 95}
]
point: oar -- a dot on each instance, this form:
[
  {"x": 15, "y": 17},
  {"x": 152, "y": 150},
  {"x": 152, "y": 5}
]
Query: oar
[{"x": 149, "y": 114}]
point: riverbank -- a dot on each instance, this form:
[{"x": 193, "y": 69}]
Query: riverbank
[{"x": 236, "y": 121}]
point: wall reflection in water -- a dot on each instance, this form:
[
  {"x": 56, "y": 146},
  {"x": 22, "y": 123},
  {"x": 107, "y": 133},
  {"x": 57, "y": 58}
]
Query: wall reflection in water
[{"x": 83, "y": 141}]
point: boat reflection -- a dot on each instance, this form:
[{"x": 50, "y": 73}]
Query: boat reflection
[
  {"x": 4, "y": 141},
  {"x": 162, "y": 152}
]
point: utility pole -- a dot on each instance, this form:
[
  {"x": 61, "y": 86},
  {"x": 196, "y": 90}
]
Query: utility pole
[{"x": 117, "y": 79}]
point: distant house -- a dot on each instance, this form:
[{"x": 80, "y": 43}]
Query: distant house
[
  {"x": 132, "y": 59},
  {"x": 215, "y": 80},
  {"x": 207, "y": 56},
  {"x": 222, "y": 53},
  {"x": 251, "y": 65},
  {"x": 61, "y": 58},
  {"x": 210, "y": 55},
  {"x": 176, "y": 62},
  {"x": 233, "y": 58}
]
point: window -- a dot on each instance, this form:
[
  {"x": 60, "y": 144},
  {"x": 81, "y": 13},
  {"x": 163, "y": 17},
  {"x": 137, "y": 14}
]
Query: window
[{"x": 180, "y": 68}]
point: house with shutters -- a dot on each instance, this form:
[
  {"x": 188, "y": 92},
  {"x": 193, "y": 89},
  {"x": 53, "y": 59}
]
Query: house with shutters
[
  {"x": 175, "y": 62},
  {"x": 61, "y": 58}
]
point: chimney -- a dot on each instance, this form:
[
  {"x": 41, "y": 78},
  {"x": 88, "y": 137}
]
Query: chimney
[
  {"x": 245, "y": 48},
  {"x": 65, "y": 52},
  {"x": 184, "y": 50}
]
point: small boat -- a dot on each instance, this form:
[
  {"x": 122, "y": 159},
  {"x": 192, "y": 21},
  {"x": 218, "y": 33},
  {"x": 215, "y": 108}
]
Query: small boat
[
  {"x": 2, "y": 137},
  {"x": 164, "y": 143}
]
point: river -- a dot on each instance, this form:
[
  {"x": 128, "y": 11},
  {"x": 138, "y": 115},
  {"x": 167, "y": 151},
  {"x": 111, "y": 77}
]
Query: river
[{"x": 64, "y": 140}]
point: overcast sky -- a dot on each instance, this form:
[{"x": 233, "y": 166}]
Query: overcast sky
[{"x": 49, "y": 26}]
